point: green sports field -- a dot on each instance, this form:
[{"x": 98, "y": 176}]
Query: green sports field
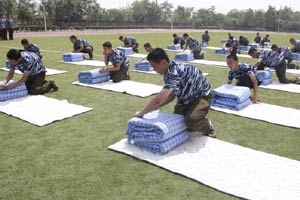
[{"x": 69, "y": 159}]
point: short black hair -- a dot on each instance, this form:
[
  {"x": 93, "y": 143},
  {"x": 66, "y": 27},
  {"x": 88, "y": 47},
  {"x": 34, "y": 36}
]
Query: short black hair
[
  {"x": 274, "y": 46},
  {"x": 233, "y": 56},
  {"x": 292, "y": 39},
  {"x": 73, "y": 37},
  {"x": 24, "y": 41},
  {"x": 147, "y": 45},
  {"x": 241, "y": 37},
  {"x": 158, "y": 55},
  {"x": 186, "y": 35},
  {"x": 251, "y": 51},
  {"x": 267, "y": 35},
  {"x": 121, "y": 37},
  {"x": 107, "y": 44},
  {"x": 174, "y": 35},
  {"x": 206, "y": 31},
  {"x": 231, "y": 37},
  {"x": 13, "y": 54}
]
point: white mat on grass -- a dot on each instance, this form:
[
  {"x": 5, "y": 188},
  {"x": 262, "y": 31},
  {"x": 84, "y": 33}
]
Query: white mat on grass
[
  {"x": 154, "y": 72},
  {"x": 48, "y": 73},
  {"x": 227, "y": 167},
  {"x": 137, "y": 55},
  {"x": 41, "y": 110},
  {"x": 95, "y": 63},
  {"x": 293, "y": 88},
  {"x": 267, "y": 112},
  {"x": 209, "y": 62},
  {"x": 290, "y": 71},
  {"x": 128, "y": 87}
]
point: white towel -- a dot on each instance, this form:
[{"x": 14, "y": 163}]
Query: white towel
[{"x": 48, "y": 73}]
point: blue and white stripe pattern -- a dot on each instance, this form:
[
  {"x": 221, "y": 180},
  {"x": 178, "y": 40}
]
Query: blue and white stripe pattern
[
  {"x": 143, "y": 66},
  {"x": 265, "y": 76},
  {"x": 93, "y": 76},
  {"x": 157, "y": 131},
  {"x": 192, "y": 43},
  {"x": 231, "y": 97},
  {"x": 17, "y": 92},
  {"x": 73, "y": 57},
  {"x": 183, "y": 57},
  {"x": 117, "y": 57},
  {"x": 81, "y": 42},
  {"x": 187, "y": 82},
  {"x": 174, "y": 47},
  {"x": 130, "y": 40},
  {"x": 243, "y": 73},
  {"x": 30, "y": 62},
  {"x": 32, "y": 48},
  {"x": 270, "y": 58},
  {"x": 286, "y": 52},
  {"x": 126, "y": 50}
]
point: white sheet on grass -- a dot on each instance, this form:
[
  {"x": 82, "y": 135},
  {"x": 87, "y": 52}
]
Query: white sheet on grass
[
  {"x": 41, "y": 110},
  {"x": 227, "y": 167},
  {"x": 126, "y": 86},
  {"x": 209, "y": 62},
  {"x": 95, "y": 63},
  {"x": 154, "y": 72},
  {"x": 138, "y": 55},
  {"x": 48, "y": 73},
  {"x": 293, "y": 88},
  {"x": 267, "y": 112}
]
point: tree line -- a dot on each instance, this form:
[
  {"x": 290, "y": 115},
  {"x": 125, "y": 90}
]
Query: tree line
[{"x": 146, "y": 13}]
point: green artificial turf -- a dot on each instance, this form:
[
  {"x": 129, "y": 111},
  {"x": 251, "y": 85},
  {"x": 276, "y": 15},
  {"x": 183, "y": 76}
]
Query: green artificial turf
[{"x": 69, "y": 159}]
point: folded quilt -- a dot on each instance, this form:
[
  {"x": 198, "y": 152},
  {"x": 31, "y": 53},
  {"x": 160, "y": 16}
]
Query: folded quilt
[
  {"x": 93, "y": 76},
  {"x": 17, "y": 92},
  {"x": 203, "y": 45},
  {"x": 126, "y": 50},
  {"x": 155, "y": 126},
  {"x": 165, "y": 146},
  {"x": 185, "y": 56},
  {"x": 265, "y": 76},
  {"x": 296, "y": 56},
  {"x": 229, "y": 104},
  {"x": 254, "y": 45},
  {"x": 237, "y": 93},
  {"x": 73, "y": 57},
  {"x": 143, "y": 66},
  {"x": 222, "y": 51},
  {"x": 174, "y": 47},
  {"x": 245, "y": 48}
]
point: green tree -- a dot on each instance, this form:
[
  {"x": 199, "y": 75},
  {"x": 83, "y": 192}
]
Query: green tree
[
  {"x": 166, "y": 11},
  {"x": 271, "y": 18},
  {"x": 27, "y": 11},
  {"x": 8, "y": 7}
]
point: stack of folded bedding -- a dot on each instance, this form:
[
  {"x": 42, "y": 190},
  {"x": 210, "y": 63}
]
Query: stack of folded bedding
[
  {"x": 203, "y": 45},
  {"x": 73, "y": 57},
  {"x": 17, "y": 92},
  {"x": 126, "y": 50},
  {"x": 254, "y": 45},
  {"x": 266, "y": 44},
  {"x": 245, "y": 48},
  {"x": 296, "y": 56},
  {"x": 222, "y": 51},
  {"x": 143, "y": 66},
  {"x": 157, "y": 132},
  {"x": 7, "y": 64},
  {"x": 265, "y": 76},
  {"x": 174, "y": 47},
  {"x": 231, "y": 97},
  {"x": 93, "y": 76},
  {"x": 185, "y": 56}
]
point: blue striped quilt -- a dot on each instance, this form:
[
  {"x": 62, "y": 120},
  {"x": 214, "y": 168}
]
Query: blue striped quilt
[
  {"x": 185, "y": 56},
  {"x": 165, "y": 146},
  {"x": 238, "y": 93},
  {"x": 14, "y": 93},
  {"x": 143, "y": 66},
  {"x": 265, "y": 76},
  {"x": 229, "y": 104},
  {"x": 155, "y": 126},
  {"x": 93, "y": 76}
]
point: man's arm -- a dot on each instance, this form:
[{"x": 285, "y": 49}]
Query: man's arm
[
  {"x": 229, "y": 81},
  {"x": 255, "y": 87},
  {"x": 258, "y": 62},
  {"x": 111, "y": 69},
  {"x": 10, "y": 75},
  {"x": 79, "y": 50},
  {"x": 19, "y": 82},
  {"x": 164, "y": 97}
]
